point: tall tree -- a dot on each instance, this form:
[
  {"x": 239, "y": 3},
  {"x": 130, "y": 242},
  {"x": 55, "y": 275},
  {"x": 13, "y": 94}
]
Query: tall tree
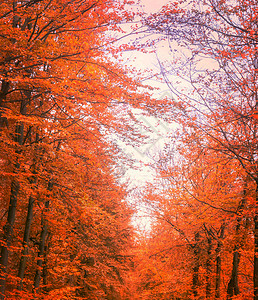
[
  {"x": 197, "y": 202},
  {"x": 219, "y": 42},
  {"x": 63, "y": 97}
]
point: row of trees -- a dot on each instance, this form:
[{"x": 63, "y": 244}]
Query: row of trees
[
  {"x": 201, "y": 242},
  {"x": 204, "y": 238},
  {"x": 65, "y": 228}
]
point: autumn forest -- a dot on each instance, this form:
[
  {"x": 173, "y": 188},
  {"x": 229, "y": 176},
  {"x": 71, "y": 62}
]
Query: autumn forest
[{"x": 69, "y": 100}]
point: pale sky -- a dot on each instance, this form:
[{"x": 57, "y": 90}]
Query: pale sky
[
  {"x": 152, "y": 6},
  {"x": 158, "y": 133},
  {"x": 141, "y": 174}
]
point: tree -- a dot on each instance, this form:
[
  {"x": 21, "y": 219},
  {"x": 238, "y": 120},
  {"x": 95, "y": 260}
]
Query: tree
[
  {"x": 60, "y": 94},
  {"x": 199, "y": 202},
  {"x": 219, "y": 39}
]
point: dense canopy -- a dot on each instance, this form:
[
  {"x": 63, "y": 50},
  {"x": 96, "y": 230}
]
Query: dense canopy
[{"x": 68, "y": 101}]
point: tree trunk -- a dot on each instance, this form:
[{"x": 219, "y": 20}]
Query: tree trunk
[
  {"x": 196, "y": 266},
  {"x": 233, "y": 288},
  {"x": 208, "y": 270},
  {"x": 8, "y": 228},
  {"x": 26, "y": 236},
  {"x": 255, "y": 278},
  {"x": 42, "y": 243},
  {"x": 218, "y": 263},
  {"x": 44, "y": 270},
  {"x": 8, "y": 233},
  {"x": 218, "y": 276},
  {"x": 25, "y": 245},
  {"x": 3, "y": 92}
]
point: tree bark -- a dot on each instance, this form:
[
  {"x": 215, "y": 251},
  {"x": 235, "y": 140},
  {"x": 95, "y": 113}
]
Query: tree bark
[
  {"x": 25, "y": 245},
  {"x": 8, "y": 233},
  {"x": 42, "y": 243},
  {"x": 255, "y": 277},
  {"x": 15, "y": 187},
  {"x": 3, "y": 92},
  {"x": 208, "y": 270},
  {"x": 218, "y": 263},
  {"x": 196, "y": 266},
  {"x": 26, "y": 236},
  {"x": 233, "y": 288},
  {"x": 44, "y": 270}
]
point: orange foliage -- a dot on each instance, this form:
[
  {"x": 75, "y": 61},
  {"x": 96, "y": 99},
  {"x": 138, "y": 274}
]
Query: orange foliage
[{"x": 67, "y": 230}]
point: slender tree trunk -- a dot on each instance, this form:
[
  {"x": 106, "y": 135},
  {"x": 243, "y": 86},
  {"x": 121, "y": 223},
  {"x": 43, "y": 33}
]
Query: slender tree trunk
[
  {"x": 8, "y": 233},
  {"x": 43, "y": 237},
  {"x": 218, "y": 263},
  {"x": 8, "y": 228},
  {"x": 255, "y": 273},
  {"x": 196, "y": 278},
  {"x": 208, "y": 270},
  {"x": 44, "y": 270},
  {"x": 26, "y": 236},
  {"x": 3, "y": 92},
  {"x": 42, "y": 243},
  {"x": 15, "y": 187},
  {"x": 255, "y": 278},
  {"x": 196, "y": 266},
  {"x": 233, "y": 288},
  {"x": 25, "y": 245},
  {"x": 218, "y": 276}
]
